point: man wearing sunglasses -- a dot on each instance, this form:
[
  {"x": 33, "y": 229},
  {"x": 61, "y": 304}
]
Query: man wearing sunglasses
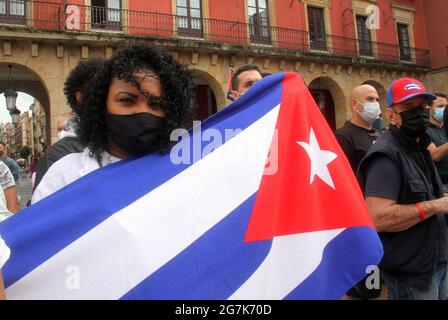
[
  {"x": 404, "y": 195},
  {"x": 439, "y": 139}
]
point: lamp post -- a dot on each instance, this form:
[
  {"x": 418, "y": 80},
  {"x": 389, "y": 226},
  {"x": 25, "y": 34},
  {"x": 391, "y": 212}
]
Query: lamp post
[
  {"x": 15, "y": 116},
  {"x": 11, "y": 94}
]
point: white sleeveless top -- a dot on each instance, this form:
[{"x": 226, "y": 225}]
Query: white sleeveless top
[
  {"x": 4, "y": 253},
  {"x": 68, "y": 169}
]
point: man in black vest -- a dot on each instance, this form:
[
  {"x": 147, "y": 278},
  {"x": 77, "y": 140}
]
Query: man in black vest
[
  {"x": 404, "y": 194},
  {"x": 439, "y": 138}
]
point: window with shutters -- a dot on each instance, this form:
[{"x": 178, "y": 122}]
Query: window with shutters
[
  {"x": 364, "y": 37},
  {"x": 189, "y": 17},
  {"x": 258, "y": 13},
  {"x": 13, "y": 11},
  {"x": 106, "y": 14},
  {"x": 404, "y": 42},
  {"x": 316, "y": 24}
]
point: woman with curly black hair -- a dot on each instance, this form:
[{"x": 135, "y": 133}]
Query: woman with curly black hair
[{"x": 129, "y": 109}]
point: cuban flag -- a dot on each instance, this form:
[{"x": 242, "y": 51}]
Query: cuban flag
[{"x": 259, "y": 204}]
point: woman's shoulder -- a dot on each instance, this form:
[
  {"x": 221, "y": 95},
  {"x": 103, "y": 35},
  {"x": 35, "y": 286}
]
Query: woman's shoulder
[
  {"x": 4, "y": 253},
  {"x": 63, "y": 172}
]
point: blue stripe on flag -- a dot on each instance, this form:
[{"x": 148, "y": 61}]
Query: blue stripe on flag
[
  {"x": 207, "y": 269},
  {"x": 335, "y": 274},
  {"x": 92, "y": 199}
]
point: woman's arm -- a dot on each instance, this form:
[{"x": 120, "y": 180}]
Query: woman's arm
[{"x": 2, "y": 289}]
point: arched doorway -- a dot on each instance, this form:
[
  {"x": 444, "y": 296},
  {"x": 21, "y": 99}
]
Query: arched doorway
[
  {"x": 34, "y": 131},
  {"x": 330, "y": 99},
  {"x": 205, "y": 98},
  {"x": 207, "y": 94}
]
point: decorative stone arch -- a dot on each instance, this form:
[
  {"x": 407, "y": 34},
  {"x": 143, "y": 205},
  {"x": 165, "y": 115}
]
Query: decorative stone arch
[
  {"x": 340, "y": 113},
  {"x": 28, "y": 81},
  {"x": 215, "y": 86}
]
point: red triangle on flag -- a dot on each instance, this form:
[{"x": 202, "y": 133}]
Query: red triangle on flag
[{"x": 293, "y": 200}]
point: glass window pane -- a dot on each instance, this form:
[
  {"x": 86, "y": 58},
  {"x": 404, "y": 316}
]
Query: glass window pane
[
  {"x": 182, "y": 12},
  {"x": 196, "y": 23},
  {"x": 2, "y": 7},
  {"x": 251, "y": 3},
  {"x": 252, "y": 12},
  {"x": 17, "y": 7},
  {"x": 196, "y": 4},
  {"x": 181, "y": 3},
  {"x": 182, "y": 23},
  {"x": 262, "y": 4},
  {"x": 195, "y": 13},
  {"x": 113, "y": 4},
  {"x": 113, "y": 15}
]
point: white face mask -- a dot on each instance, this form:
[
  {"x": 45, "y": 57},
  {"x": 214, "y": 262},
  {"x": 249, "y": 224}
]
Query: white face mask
[{"x": 371, "y": 111}]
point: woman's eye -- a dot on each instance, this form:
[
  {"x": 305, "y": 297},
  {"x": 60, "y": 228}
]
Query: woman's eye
[
  {"x": 126, "y": 101},
  {"x": 156, "y": 106}
]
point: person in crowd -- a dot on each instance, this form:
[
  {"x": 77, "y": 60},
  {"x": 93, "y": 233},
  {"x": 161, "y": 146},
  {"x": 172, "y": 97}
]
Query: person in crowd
[
  {"x": 355, "y": 138},
  {"x": 4, "y": 256},
  {"x": 439, "y": 141},
  {"x": 357, "y": 135},
  {"x": 405, "y": 196},
  {"x": 243, "y": 79},
  {"x": 4, "y": 250},
  {"x": 77, "y": 81},
  {"x": 12, "y": 165},
  {"x": 8, "y": 185},
  {"x": 129, "y": 110}
]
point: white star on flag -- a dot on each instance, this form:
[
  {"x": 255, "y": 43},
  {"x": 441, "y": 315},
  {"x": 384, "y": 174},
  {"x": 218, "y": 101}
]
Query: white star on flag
[{"x": 320, "y": 159}]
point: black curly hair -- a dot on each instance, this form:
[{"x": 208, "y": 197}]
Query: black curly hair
[
  {"x": 79, "y": 78},
  {"x": 177, "y": 100}
]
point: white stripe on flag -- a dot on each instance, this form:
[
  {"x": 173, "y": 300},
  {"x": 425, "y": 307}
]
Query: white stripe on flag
[
  {"x": 291, "y": 260},
  {"x": 125, "y": 249}
]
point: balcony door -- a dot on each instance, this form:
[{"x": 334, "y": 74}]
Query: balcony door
[
  {"x": 316, "y": 24},
  {"x": 259, "y": 21},
  {"x": 404, "y": 42},
  {"x": 106, "y": 14},
  {"x": 189, "y": 18},
  {"x": 364, "y": 37},
  {"x": 13, "y": 11}
]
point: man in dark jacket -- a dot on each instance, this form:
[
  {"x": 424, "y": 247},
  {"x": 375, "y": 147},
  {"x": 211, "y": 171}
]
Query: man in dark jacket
[{"x": 404, "y": 194}]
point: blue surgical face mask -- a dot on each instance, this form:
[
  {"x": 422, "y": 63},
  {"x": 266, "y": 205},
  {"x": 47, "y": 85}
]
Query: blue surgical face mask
[{"x": 438, "y": 114}]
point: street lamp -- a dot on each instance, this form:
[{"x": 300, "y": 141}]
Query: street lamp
[
  {"x": 321, "y": 101},
  {"x": 15, "y": 115},
  {"x": 11, "y": 94}
]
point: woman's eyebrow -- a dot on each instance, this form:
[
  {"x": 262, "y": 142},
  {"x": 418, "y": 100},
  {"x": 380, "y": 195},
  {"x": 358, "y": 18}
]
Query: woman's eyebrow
[{"x": 128, "y": 94}]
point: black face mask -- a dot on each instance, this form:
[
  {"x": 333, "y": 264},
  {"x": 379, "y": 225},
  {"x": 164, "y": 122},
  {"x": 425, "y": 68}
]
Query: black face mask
[
  {"x": 415, "y": 122},
  {"x": 136, "y": 133}
]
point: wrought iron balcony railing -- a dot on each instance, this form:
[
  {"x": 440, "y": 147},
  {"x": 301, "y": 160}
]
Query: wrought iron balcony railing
[{"x": 81, "y": 18}]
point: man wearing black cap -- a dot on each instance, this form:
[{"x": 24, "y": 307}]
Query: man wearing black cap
[{"x": 404, "y": 194}]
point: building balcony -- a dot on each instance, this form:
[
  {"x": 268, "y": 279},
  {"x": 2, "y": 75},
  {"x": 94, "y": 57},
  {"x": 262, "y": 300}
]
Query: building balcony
[{"x": 227, "y": 35}]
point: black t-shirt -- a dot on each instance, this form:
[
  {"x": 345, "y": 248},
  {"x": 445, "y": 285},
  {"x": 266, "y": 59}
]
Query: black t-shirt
[
  {"x": 438, "y": 137},
  {"x": 384, "y": 180},
  {"x": 355, "y": 141}
]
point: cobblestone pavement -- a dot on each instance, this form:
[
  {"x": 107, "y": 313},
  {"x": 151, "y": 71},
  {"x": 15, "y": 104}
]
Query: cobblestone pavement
[{"x": 24, "y": 190}]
